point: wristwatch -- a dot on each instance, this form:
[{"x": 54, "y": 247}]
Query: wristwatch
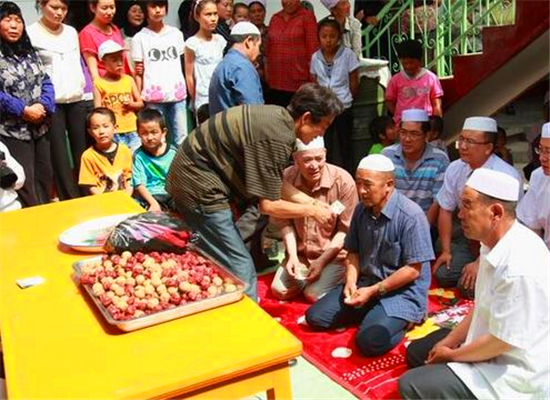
[{"x": 381, "y": 289}]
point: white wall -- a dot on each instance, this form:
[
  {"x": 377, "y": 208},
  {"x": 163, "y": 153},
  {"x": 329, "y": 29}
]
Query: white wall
[{"x": 30, "y": 14}]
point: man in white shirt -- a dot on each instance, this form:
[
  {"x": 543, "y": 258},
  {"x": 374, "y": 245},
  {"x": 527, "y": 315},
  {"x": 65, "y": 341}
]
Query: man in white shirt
[
  {"x": 457, "y": 265},
  {"x": 500, "y": 350},
  {"x": 534, "y": 209}
]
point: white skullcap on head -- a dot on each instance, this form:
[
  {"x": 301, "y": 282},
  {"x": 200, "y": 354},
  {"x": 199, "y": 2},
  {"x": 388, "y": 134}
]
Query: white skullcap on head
[
  {"x": 315, "y": 144},
  {"x": 245, "y": 28},
  {"x": 545, "y": 131},
  {"x": 329, "y": 4},
  {"x": 108, "y": 47},
  {"x": 262, "y": 2},
  {"x": 376, "y": 162},
  {"x": 484, "y": 124},
  {"x": 415, "y": 115},
  {"x": 495, "y": 184}
]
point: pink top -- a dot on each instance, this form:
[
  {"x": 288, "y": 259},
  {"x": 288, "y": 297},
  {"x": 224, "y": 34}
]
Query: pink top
[
  {"x": 90, "y": 39},
  {"x": 410, "y": 93}
]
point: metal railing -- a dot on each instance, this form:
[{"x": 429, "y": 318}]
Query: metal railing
[{"x": 444, "y": 27}]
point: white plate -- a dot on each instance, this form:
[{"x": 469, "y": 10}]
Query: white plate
[{"x": 90, "y": 236}]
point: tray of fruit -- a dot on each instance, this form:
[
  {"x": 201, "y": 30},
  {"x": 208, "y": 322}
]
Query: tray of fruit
[{"x": 134, "y": 291}]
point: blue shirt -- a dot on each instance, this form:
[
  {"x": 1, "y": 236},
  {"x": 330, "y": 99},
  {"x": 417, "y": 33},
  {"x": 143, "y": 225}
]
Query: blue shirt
[
  {"x": 399, "y": 236},
  {"x": 150, "y": 171},
  {"x": 421, "y": 183},
  {"x": 234, "y": 82}
]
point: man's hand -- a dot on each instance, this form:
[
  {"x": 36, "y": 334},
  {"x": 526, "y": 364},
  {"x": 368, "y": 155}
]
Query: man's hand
[
  {"x": 321, "y": 212},
  {"x": 440, "y": 354},
  {"x": 349, "y": 290},
  {"x": 372, "y": 20},
  {"x": 361, "y": 296},
  {"x": 469, "y": 275},
  {"x": 315, "y": 269},
  {"x": 293, "y": 265},
  {"x": 34, "y": 114},
  {"x": 341, "y": 256},
  {"x": 360, "y": 15},
  {"x": 155, "y": 207},
  {"x": 443, "y": 259}
]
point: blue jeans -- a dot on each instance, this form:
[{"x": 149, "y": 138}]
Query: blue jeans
[
  {"x": 175, "y": 116},
  {"x": 378, "y": 333},
  {"x": 220, "y": 238},
  {"x": 130, "y": 139}
]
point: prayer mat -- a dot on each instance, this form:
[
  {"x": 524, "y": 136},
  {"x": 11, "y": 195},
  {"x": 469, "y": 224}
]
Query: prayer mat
[{"x": 335, "y": 353}]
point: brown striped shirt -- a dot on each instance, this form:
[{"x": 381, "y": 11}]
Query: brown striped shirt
[{"x": 236, "y": 155}]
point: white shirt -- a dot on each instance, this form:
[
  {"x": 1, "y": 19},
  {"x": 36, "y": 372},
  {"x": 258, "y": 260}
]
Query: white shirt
[
  {"x": 512, "y": 304},
  {"x": 534, "y": 209},
  {"x": 458, "y": 173},
  {"x": 60, "y": 55},
  {"x": 8, "y": 197},
  {"x": 208, "y": 54},
  {"x": 336, "y": 74},
  {"x": 160, "y": 53}
]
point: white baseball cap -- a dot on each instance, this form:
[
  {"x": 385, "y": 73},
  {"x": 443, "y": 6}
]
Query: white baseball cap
[
  {"x": 415, "y": 115},
  {"x": 483, "y": 124},
  {"x": 108, "y": 47}
]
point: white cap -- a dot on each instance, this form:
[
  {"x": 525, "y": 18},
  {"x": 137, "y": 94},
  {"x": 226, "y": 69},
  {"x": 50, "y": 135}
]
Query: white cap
[
  {"x": 545, "y": 131},
  {"x": 376, "y": 162},
  {"x": 317, "y": 143},
  {"x": 262, "y": 2},
  {"x": 484, "y": 124},
  {"x": 245, "y": 28},
  {"x": 415, "y": 115},
  {"x": 329, "y": 4},
  {"x": 108, "y": 47},
  {"x": 495, "y": 184}
]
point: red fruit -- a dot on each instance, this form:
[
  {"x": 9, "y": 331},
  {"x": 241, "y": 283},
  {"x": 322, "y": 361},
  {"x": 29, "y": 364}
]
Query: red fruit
[
  {"x": 192, "y": 296},
  {"x": 118, "y": 316},
  {"x": 112, "y": 309},
  {"x": 157, "y": 308},
  {"x": 129, "y": 289},
  {"x": 101, "y": 274},
  {"x": 171, "y": 282},
  {"x": 175, "y": 298},
  {"x": 105, "y": 300},
  {"x": 107, "y": 285},
  {"x": 131, "y": 259},
  {"x": 141, "y": 305},
  {"x": 200, "y": 297},
  {"x": 131, "y": 300},
  {"x": 140, "y": 257},
  {"x": 164, "y": 304},
  {"x": 183, "y": 301},
  {"x": 131, "y": 310},
  {"x": 104, "y": 257},
  {"x": 138, "y": 268},
  {"x": 115, "y": 259}
]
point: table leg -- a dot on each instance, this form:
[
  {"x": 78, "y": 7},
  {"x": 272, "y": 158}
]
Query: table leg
[{"x": 282, "y": 387}]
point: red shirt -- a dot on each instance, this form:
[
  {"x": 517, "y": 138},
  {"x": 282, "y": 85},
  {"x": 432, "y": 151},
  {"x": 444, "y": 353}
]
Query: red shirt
[{"x": 290, "y": 44}]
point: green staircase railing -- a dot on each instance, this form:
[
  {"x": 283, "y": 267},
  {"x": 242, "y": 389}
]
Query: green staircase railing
[{"x": 445, "y": 27}]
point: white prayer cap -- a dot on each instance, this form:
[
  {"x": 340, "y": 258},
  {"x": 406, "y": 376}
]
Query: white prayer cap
[
  {"x": 484, "y": 124},
  {"x": 262, "y": 2},
  {"x": 108, "y": 47},
  {"x": 245, "y": 28},
  {"x": 329, "y": 4},
  {"x": 317, "y": 143},
  {"x": 545, "y": 131},
  {"x": 494, "y": 183},
  {"x": 415, "y": 115},
  {"x": 376, "y": 162}
]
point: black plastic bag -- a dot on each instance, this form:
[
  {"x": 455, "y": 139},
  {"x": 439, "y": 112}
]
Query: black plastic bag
[{"x": 150, "y": 231}]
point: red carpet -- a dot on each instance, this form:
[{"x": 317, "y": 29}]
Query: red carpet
[{"x": 366, "y": 378}]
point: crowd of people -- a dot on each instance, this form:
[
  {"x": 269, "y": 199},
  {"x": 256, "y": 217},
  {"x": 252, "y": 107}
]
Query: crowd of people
[{"x": 360, "y": 240}]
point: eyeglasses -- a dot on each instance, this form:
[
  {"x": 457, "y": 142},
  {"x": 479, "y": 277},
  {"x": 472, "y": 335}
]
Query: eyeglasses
[
  {"x": 413, "y": 134},
  {"x": 542, "y": 151},
  {"x": 467, "y": 142}
]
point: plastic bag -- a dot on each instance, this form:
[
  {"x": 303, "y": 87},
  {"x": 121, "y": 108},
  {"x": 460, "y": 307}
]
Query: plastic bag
[{"x": 150, "y": 231}]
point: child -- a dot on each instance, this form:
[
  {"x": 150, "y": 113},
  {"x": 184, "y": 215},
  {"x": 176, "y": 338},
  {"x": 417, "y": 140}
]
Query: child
[
  {"x": 152, "y": 161},
  {"x": 98, "y": 31},
  {"x": 240, "y": 13},
  {"x": 335, "y": 66},
  {"x": 203, "y": 52},
  {"x": 119, "y": 93},
  {"x": 157, "y": 51},
  {"x": 106, "y": 166},
  {"x": 383, "y": 132},
  {"x": 435, "y": 133},
  {"x": 414, "y": 87}
]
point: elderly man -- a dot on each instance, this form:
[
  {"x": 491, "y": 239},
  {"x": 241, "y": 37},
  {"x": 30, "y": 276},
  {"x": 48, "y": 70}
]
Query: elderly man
[
  {"x": 388, "y": 272},
  {"x": 534, "y": 209},
  {"x": 500, "y": 350},
  {"x": 238, "y": 157},
  {"x": 457, "y": 265},
  {"x": 312, "y": 264},
  {"x": 419, "y": 166},
  {"x": 235, "y": 80}
]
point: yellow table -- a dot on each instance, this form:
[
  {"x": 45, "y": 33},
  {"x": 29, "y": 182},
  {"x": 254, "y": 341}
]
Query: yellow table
[{"x": 55, "y": 345}]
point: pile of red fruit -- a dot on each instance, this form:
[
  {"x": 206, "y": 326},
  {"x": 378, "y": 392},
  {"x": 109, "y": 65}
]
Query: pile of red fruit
[{"x": 132, "y": 285}]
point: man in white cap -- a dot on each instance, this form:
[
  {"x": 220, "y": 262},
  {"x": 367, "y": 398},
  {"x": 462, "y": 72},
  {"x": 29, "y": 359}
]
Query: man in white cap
[
  {"x": 313, "y": 261},
  {"x": 235, "y": 80},
  {"x": 457, "y": 265},
  {"x": 388, "y": 264},
  {"x": 419, "y": 166},
  {"x": 534, "y": 209},
  {"x": 500, "y": 350}
]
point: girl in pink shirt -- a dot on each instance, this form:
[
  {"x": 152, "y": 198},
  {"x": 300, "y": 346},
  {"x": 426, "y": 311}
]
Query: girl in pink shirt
[
  {"x": 414, "y": 86},
  {"x": 98, "y": 31}
]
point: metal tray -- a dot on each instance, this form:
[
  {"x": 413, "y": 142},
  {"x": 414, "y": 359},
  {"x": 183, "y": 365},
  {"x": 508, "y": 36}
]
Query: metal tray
[{"x": 166, "y": 315}]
